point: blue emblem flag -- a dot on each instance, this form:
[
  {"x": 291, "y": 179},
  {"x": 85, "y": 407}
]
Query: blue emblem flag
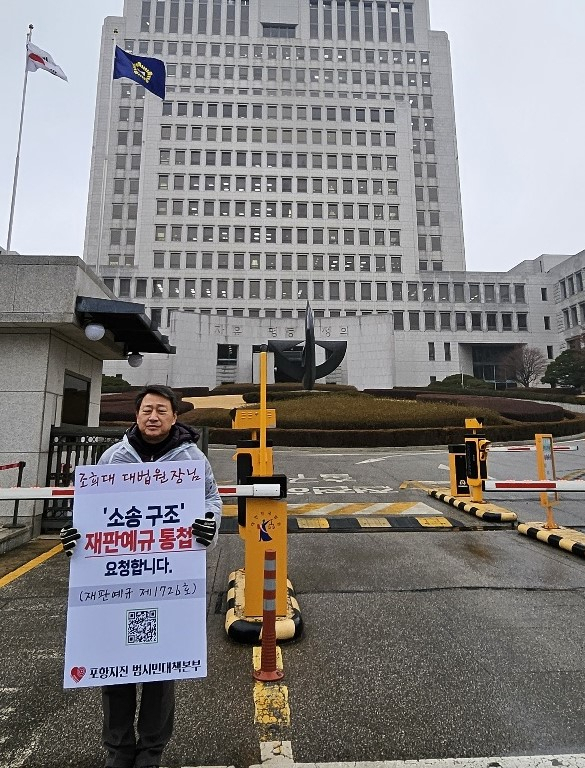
[{"x": 143, "y": 70}]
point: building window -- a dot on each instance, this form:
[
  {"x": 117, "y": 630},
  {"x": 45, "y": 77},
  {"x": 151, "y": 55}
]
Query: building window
[
  {"x": 431, "y": 350},
  {"x": 519, "y": 294},
  {"x": 460, "y": 321}
]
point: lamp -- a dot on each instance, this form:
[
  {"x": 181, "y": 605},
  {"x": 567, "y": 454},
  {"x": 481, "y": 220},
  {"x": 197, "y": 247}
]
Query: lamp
[
  {"x": 135, "y": 360},
  {"x": 94, "y": 331}
]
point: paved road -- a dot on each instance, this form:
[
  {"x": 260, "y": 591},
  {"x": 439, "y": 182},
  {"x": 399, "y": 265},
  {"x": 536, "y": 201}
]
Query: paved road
[{"x": 445, "y": 644}]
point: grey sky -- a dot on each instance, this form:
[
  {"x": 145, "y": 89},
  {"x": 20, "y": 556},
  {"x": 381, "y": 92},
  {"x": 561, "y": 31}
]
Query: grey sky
[{"x": 518, "y": 72}]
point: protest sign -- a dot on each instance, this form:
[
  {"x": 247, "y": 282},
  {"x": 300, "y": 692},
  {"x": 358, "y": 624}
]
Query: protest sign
[{"x": 136, "y": 609}]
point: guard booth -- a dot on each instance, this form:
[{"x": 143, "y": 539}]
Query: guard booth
[{"x": 58, "y": 323}]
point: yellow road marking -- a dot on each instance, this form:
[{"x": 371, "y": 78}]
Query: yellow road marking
[
  {"x": 434, "y": 522},
  {"x": 270, "y": 699},
  {"x": 302, "y": 509},
  {"x": 313, "y": 522},
  {"x": 29, "y": 566},
  {"x": 271, "y": 704},
  {"x": 373, "y": 522},
  {"x": 339, "y": 509}
]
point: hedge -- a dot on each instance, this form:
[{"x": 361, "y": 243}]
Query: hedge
[
  {"x": 549, "y": 395},
  {"x": 284, "y": 386},
  {"x": 388, "y": 438},
  {"x": 517, "y": 410},
  {"x": 117, "y": 409}
]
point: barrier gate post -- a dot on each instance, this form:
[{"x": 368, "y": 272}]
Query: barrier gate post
[
  {"x": 476, "y": 447},
  {"x": 263, "y": 526},
  {"x": 545, "y": 463}
]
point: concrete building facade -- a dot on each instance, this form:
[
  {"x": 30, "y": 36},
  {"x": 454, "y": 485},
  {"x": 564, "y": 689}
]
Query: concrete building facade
[{"x": 305, "y": 150}]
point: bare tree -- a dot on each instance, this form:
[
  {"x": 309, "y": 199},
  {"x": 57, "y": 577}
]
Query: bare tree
[{"x": 525, "y": 365}]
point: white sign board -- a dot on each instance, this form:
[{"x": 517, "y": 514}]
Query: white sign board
[{"x": 136, "y": 610}]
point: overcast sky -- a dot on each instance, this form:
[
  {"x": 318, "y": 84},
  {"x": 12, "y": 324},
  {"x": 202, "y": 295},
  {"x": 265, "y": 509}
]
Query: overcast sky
[{"x": 519, "y": 77}]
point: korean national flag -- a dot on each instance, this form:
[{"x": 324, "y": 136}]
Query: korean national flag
[{"x": 144, "y": 70}]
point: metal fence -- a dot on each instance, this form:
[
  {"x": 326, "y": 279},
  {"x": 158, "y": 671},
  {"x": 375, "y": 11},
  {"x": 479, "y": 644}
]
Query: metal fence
[{"x": 74, "y": 446}]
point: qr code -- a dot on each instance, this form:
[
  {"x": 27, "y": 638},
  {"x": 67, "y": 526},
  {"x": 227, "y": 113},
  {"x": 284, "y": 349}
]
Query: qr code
[{"x": 142, "y": 626}]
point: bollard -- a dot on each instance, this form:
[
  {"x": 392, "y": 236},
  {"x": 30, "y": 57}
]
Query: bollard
[{"x": 268, "y": 670}]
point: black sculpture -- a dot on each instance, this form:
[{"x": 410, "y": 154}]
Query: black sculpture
[{"x": 307, "y": 371}]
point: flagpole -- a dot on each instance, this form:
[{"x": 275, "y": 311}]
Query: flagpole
[
  {"x": 106, "y": 152},
  {"x": 17, "y": 162}
]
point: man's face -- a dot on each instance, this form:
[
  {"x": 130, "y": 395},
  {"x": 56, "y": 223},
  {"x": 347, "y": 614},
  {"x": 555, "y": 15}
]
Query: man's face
[{"x": 155, "y": 418}]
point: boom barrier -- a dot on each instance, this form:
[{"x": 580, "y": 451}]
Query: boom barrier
[
  {"x": 529, "y": 486},
  {"x": 520, "y": 448},
  {"x": 258, "y": 490}
]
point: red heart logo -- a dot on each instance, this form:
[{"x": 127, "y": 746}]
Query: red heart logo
[{"x": 77, "y": 673}]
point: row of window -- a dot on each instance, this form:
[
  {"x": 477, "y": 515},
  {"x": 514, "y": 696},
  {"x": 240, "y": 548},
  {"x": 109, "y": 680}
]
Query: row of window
[
  {"x": 277, "y": 52},
  {"x": 272, "y": 261},
  {"x": 491, "y": 322},
  {"x": 402, "y": 321},
  {"x": 302, "y": 185},
  {"x": 298, "y": 75},
  {"x": 285, "y": 210},
  {"x": 426, "y": 292},
  {"x": 246, "y": 159},
  {"x": 298, "y": 91},
  {"x": 461, "y": 321},
  {"x": 285, "y": 235},
  {"x": 571, "y": 284},
  {"x": 361, "y": 21},
  {"x": 278, "y": 112},
  {"x": 189, "y": 18},
  {"x": 447, "y": 349},
  {"x": 269, "y": 135},
  {"x": 574, "y": 316}
]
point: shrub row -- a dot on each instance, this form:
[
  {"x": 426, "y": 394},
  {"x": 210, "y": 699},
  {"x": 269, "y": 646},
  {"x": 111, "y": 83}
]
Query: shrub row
[
  {"x": 118, "y": 409},
  {"x": 517, "y": 410},
  {"x": 285, "y": 386},
  {"x": 193, "y": 391},
  {"x": 381, "y": 438},
  {"x": 254, "y": 397},
  {"x": 548, "y": 395}
]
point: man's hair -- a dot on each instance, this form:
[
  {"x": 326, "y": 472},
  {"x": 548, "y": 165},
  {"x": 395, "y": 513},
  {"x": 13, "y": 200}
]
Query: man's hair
[{"x": 157, "y": 389}]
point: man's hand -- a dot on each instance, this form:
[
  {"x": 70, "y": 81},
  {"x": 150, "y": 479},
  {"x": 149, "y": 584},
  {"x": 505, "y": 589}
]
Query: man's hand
[
  {"x": 204, "y": 530},
  {"x": 69, "y": 538}
]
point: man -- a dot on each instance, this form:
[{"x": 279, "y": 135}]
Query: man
[{"x": 155, "y": 437}]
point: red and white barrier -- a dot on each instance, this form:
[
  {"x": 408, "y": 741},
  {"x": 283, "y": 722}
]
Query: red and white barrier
[
  {"x": 530, "y": 486},
  {"x": 259, "y": 490},
  {"x": 11, "y": 466},
  {"x": 520, "y": 448}
]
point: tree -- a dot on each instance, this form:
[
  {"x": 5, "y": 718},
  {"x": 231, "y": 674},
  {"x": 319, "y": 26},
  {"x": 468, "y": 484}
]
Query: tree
[
  {"x": 567, "y": 370},
  {"x": 525, "y": 365}
]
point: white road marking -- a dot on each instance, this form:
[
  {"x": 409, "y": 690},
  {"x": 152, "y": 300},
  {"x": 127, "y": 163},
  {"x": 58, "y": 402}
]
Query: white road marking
[
  {"x": 279, "y": 755},
  {"x": 398, "y": 455}
]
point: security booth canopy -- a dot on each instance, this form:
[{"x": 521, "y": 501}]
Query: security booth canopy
[{"x": 126, "y": 321}]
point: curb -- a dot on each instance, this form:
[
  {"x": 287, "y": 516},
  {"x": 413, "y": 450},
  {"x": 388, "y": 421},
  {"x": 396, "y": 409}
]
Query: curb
[
  {"x": 554, "y": 537},
  {"x": 488, "y": 512},
  {"x": 248, "y": 630}
]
